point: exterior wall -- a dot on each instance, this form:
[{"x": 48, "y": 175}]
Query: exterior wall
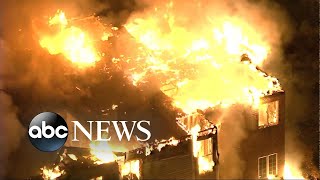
[
  {"x": 175, "y": 162},
  {"x": 178, "y": 167},
  {"x": 265, "y": 141},
  {"x": 83, "y": 168},
  {"x": 172, "y": 162}
]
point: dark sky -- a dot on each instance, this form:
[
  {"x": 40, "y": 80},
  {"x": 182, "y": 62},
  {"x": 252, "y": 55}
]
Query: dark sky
[
  {"x": 302, "y": 84},
  {"x": 297, "y": 72}
]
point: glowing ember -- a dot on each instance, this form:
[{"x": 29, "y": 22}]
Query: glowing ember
[
  {"x": 131, "y": 167},
  {"x": 74, "y": 43},
  {"x": 53, "y": 173},
  {"x": 199, "y": 64}
]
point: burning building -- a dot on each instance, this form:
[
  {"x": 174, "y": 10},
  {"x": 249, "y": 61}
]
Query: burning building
[
  {"x": 231, "y": 112},
  {"x": 262, "y": 151},
  {"x": 196, "y": 155}
]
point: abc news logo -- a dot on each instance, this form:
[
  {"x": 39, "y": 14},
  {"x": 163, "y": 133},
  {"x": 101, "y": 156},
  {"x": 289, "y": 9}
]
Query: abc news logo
[{"x": 48, "y": 131}]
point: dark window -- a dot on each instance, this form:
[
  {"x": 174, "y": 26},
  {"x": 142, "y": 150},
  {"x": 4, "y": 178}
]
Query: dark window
[
  {"x": 262, "y": 167},
  {"x": 273, "y": 164}
]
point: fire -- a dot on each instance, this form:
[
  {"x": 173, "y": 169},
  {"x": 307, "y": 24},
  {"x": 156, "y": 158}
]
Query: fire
[
  {"x": 291, "y": 172},
  {"x": 131, "y": 167},
  {"x": 196, "y": 145},
  {"x": 102, "y": 152},
  {"x": 204, "y": 164},
  {"x": 171, "y": 142},
  {"x": 53, "y": 173},
  {"x": 198, "y": 64},
  {"x": 70, "y": 41}
]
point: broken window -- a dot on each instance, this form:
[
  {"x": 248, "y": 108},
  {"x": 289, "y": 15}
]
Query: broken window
[
  {"x": 205, "y": 159},
  {"x": 267, "y": 166},
  {"x": 269, "y": 114},
  {"x": 131, "y": 169},
  {"x": 206, "y": 147}
]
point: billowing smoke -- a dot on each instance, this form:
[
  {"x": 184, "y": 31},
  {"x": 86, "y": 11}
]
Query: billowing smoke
[
  {"x": 40, "y": 82},
  {"x": 11, "y": 130},
  {"x": 233, "y": 130},
  {"x": 298, "y": 72},
  {"x": 37, "y": 81}
]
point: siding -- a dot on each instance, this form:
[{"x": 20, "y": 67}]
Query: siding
[{"x": 178, "y": 167}]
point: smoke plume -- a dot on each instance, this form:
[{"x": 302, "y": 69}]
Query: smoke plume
[
  {"x": 232, "y": 133},
  {"x": 11, "y": 130},
  {"x": 37, "y": 81}
]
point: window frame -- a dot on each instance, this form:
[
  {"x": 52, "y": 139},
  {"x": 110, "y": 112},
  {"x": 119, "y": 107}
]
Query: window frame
[
  {"x": 278, "y": 114},
  {"x": 267, "y": 165},
  {"x": 259, "y": 166},
  {"x": 276, "y": 173}
]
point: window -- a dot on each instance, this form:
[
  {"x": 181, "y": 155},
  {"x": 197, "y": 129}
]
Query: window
[
  {"x": 205, "y": 159},
  {"x": 262, "y": 167},
  {"x": 267, "y": 166},
  {"x": 206, "y": 147},
  {"x": 268, "y": 114},
  {"x": 273, "y": 164},
  {"x": 131, "y": 168}
]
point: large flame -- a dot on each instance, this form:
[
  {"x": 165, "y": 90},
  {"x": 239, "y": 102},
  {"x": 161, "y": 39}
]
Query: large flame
[
  {"x": 71, "y": 41},
  {"x": 290, "y": 172},
  {"x": 198, "y": 63},
  {"x": 204, "y": 164},
  {"x": 103, "y": 152}
]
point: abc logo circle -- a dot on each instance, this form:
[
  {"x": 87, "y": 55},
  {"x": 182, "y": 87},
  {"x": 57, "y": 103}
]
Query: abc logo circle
[{"x": 48, "y": 131}]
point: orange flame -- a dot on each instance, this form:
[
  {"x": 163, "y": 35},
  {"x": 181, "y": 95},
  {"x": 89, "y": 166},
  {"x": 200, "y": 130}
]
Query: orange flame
[
  {"x": 204, "y": 164},
  {"x": 102, "y": 152},
  {"x": 290, "y": 172},
  {"x": 131, "y": 167},
  {"x": 51, "y": 173},
  {"x": 198, "y": 64},
  {"x": 74, "y": 43}
]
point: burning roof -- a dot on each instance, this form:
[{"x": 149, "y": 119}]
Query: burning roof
[
  {"x": 214, "y": 62},
  {"x": 196, "y": 70}
]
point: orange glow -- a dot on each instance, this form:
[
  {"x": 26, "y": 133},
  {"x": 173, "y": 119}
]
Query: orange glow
[
  {"x": 53, "y": 173},
  {"x": 204, "y": 164},
  {"x": 102, "y": 152},
  {"x": 291, "y": 172},
  {"x": 70, "y": 41},
  {"x": 171, "y": 142},
  {"x": 131, "y": 167},
  {"x": 198, "y": 64}
]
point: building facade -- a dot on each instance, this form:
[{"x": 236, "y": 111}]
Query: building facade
[{"x": 239, "y": 142}]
